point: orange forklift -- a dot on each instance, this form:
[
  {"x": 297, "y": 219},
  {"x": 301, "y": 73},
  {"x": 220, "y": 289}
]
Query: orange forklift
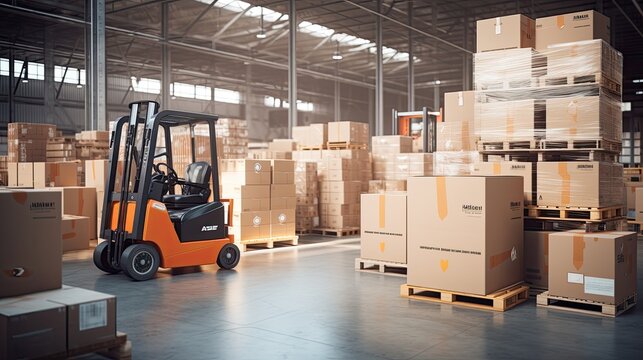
[
  {"x": 418, "y": 124},
  {"x": 146, "y": 224}
]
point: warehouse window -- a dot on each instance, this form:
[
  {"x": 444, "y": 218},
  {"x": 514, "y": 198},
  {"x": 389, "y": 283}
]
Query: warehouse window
[
  {"x": 227, "y": 96},
  {"x": 150, "y": 86},
  {"x": 182, "y": 90},
  {"x": 36, "y": 71},
  {"x": 315, "y": 29},
  {"x": 272, "y": 101},
  {"x": 4, "y": 67},
  {"x": 203, "y": 92}
]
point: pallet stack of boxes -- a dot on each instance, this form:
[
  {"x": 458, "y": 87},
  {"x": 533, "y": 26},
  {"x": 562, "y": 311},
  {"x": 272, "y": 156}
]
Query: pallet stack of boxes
[
  {"x": 394, "y": 162},
  {"x": 547, "y": 107},
  {"x": 4, "y": 171},
  {"x": 39, "y": 316},
  {"x": 283, "y": 200},
  {"x": 307, "y": 189},
  {"x": 27, "y": 142},
  {"x": 234, "y": 133}
]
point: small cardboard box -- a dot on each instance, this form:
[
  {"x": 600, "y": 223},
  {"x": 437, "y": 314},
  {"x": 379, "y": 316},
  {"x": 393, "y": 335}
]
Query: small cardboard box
[
  {"x": 248, "y": 197},
  {"x": 74, "y": 230},
  {"x": 598, "y": 267},
  {"x": 574, "y": 183},
  {"x": 246, "y": 172},
  {"x": 251, "y": 225},
  {"x": 52, "y": 174},
  {"x": 458, "y": 106},
  {"x": 96, "y": 173},
  {"x": 512, "y": 168},
  {"x": 283, "y": 196},
  {"x": 25, "y": 174},
  {"x": 30, "y": 252},
  {"x": 91, "y": 315},
  {"x": 572, "y": 27},
  {"x": 31, "y": 328},
  {"x": 348, "y": 131},
  {"x": 283, "y": 171},
  {"x": 339, "y": 221},
  {"x": 537, "y": 258},
  {"x": 282, "y": 222},
  {"x": 475, "y": 242},
  {"x": 388, "y": 144},
  {"x": 505, "y": 32},
  {"x": 383, "y": 227}
]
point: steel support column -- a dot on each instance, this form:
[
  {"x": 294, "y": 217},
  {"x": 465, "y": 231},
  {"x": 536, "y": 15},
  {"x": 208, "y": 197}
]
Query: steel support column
[
  {"x": 50, "y": 86},
  {"x": 337, "y": 96},
  {"x": 166, "y": 66},
  {"x": 248, "y": 96},
  {"x": 292, "y": 67},
  {"x": 411, "y": 70},
  {"x": 95, "y": 93},
  {"x": 436, "y": 97},
  {"x": 12, "y": 84},
  {"x": 466, "y": 57},
  {"x": 379, "y": 74}
]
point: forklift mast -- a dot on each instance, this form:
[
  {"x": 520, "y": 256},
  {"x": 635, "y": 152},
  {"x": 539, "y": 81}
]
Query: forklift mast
[{"x": 402, "y": 123}]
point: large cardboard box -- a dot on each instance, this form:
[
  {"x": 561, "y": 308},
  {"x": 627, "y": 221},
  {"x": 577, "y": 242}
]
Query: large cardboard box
[
  {"x": 283, "y": 171},
  {"x": 512, "y": 168},
  {"x": 516, "y": 120},
  {"x": 583, "y": 59},
  {"x": 505, "y": 32},
  {"x": 283, "y": 196},
  {"x": 248, "y": 197},
  {"x": 251, "y": 225},
  {"x": 30, "y": 250},
  {"x": 465, "y": 233},
  {"x": 572, "y": 27},
  {"x": 383, "y": 227},
  {"x": 459, "y": 106},
  {"x": 455, "y": 136},
  {"x": 312, "y": 136},
  {"x": 575, "y": 183},
  {"x": 25, "y": 174},
  {"x": 282, "y": 222},
  {"x": 593, "y": 266},
  {"x": 348, "y": 131},
  {"x": 31, "y": 328},
  {"x": 96, "y": 172},
  {"x": 12, "y": 174},
  {"x": 245, "y": 172},
  {"x": 91, "y": 315},
  {"x": 74, "y": 231},
  {"x": 537, "y": 258},
  {"x": 51, "y": 174},
  {"x": 584, "y": 118}
]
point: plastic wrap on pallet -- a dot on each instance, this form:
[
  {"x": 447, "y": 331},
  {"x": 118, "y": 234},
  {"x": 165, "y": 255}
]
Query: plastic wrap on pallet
[
  {"x": 307, "y": 190},
  {"x": 512, "y": 168},
  {"x": 388, "y": 144},
  {"x": 448, "y": 163},
  {"x": 585, "y": 184},
  {"x": 401, "y": 166}
]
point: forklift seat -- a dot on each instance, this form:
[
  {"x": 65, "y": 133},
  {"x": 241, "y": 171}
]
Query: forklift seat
[{"x": 196, "y": 189}]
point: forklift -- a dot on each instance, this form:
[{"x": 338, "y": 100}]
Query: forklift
[
  {"x": 418, "y": 124},
  {"x": 146, "y": 224}
]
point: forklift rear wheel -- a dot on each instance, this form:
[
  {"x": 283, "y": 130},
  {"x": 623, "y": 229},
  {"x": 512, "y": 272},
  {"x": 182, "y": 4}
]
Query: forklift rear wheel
[
  {"x": 101, "y": 260},
  {"x": 228, "y": 256},
  {"x": 140, "y": 261}
]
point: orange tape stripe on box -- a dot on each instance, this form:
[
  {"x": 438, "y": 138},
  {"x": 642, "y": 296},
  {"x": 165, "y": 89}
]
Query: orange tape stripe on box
[
  {"x": 441, "y": 187},
  {"x": 565, "y": 194},
  {"x": 578, "y": 250},
  {"x": 382, "y": 211}
]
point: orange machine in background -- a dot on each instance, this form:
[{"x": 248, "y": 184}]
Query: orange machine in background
[{"x": 418, "y": 125}]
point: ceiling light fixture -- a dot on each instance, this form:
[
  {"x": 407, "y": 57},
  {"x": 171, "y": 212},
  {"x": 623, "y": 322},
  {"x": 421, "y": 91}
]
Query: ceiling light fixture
[
  {"x": 262, "y": 32},
  {"x": 337, "y": 55},
  {"x": 438, "y": 82}
]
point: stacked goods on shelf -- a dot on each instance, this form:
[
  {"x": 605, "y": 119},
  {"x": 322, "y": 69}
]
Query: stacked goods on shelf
[
  {"x": 307, "y": 189},
  {"x": 28, "y": 142},
  {"x": 92, "y": 145},
  {"x": 4, "y": 171},
  {"x": 61, "y": 149},
  {"x": 311, "y": 137},
  {"x": 348, "y": 134},
  {"x": 234, "y": 134}
]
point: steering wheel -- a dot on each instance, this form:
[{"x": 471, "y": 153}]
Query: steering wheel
[{"x": 170, "y": 178}]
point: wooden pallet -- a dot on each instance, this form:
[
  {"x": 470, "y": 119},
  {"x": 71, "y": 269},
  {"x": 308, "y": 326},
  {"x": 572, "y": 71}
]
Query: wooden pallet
[
  {"x": 501, "y": 300},
  {"x": 344, "y": 145},
  {"x": 117, "y": 348},
  {"x": 509, "y": 145},
  {"x": 382, "y": 267},
  {"x": 529, "y": 155},
  {"x": 586, "y": 307},
  {"x": 573, "y": 213},
  {"x": 596, "y": 78},
  {"x": 537, "y": 224},
  {"x": 633, "y": 171},
  {"x": 581, "y": 144},
  {"x": 336, "y": 232},
  {"x": 535, "y": 291},
  {"x": 321, "y": 147},
  {"x": 304, "y": 232},
  {"x": 268, "y": 242},
  {"x": 507, "y": 84}
]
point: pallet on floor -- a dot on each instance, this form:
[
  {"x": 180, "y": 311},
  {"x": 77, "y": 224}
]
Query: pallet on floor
[
  {"x": 344, "y": 145},
  {"x": 531, "y": 144},
  {"x": 540, "y": 224},
  {"x": 581, "y": 144},
  {"x": 378, "y": 266},
  {"x": 117, "y": 348},
  {"x": 336, "y": 232},
  {"x": 573, "y": 213},
  {"x": 268, "y": 242},
  {"x": 586, "y": 307},
  {"x": 501, "y": 300},
  {"x": 596, "y": 78}
]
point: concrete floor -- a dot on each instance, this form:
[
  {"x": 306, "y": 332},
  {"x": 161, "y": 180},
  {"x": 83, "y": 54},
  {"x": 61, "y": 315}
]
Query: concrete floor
[{"x": 308, "y": 302}]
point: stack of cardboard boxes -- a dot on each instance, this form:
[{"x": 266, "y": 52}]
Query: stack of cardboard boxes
[
  {"x": 394, "y": 162},
  {"x": 311, "y": 137},
  {"x": 283, "y": 199},
  {"x": 340, "y": 188},
  {"x": 39, "y": 317},
  {"x": 4, "y": 172},
  {"x": 92, "y": 145},
  {"x": 234, "y": 133},
  {"x": 61, "y": 149},
  {"x": 28, "y": 142},
  {"x": 307, "y": 189}
]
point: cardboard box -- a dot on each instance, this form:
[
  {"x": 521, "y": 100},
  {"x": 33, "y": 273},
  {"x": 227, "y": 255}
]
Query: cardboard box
[
  {"x": 282, "y": 145},
  {"x": 383, "y": 227},
  {"x": 283, "y": 171},
  {"x": 245, "y": 172},
  {"x": 30, "y": 252},
  {"x": 465, "y": 233},
  {"x": 384, "y": 186},
  {"x": 516, "y": 120},
  {"x": 537, "y": 258},
  {"x": 505, "y": 32},
  {"x": 349, "y": 132},
  {"x": 584, "y": 117},
  {"x": 251, "y": 225},
  {"x": 575, "y": 183},
  {"x": 339, "y": 209},
  {"x": 282, "y": 222},
  {"x": 31, "y": 328},
  {"x": 79, "y": 201},
  {"x": 630, "y": 198},
  {"x": 52, "y": 174},
  {"x": 339, "y": 221},
  {"x": 74, "y": 230},
  {"x": 572, "y": 27},
  {"x": 459, "y": 106},
  {"x": 512, "y": 68},
  {"x": 639, "y": 205},
  {"x": 312, "y": 136},
  {"x": 248, "y": 197},
  {"x": 456, "y": 136},
  {"x": 283, "y": 196},
  {"x": 96, "y": 172},
  {"x": 91, "y": 315},
  {"x": 25, "y": 174},
  {"x": 391, "y": 144},
  {"x": 511, "y": 168},
  {"x": 12, "y": 174},
  {"x": 598, "y": 267},
  {"x": 584, "y": 59}
]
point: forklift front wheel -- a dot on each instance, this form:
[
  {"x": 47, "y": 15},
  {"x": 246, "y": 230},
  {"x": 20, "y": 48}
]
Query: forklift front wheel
[
  {"x": 101, "y": 260},
  {"x": 140, "y": 261},
  {"x": 228, "y": 256}
]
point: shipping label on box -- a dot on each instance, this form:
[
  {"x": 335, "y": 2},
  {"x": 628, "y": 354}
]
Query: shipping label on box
[{"x": 383, "y": 227}]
